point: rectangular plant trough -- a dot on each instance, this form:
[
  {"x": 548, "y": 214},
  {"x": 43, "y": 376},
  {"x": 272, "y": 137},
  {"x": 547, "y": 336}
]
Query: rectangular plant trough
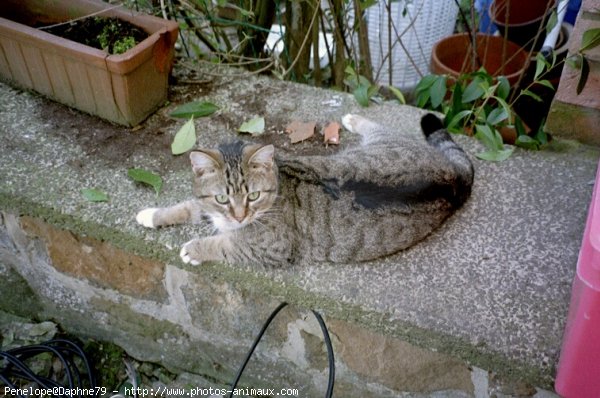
[{"x": 124, "y": 88}]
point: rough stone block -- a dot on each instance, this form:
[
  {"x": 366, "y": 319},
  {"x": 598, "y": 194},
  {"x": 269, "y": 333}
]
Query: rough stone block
[
  {"x": 98, "y": 262},
  {"x": 398, "y": 364},
  {"x": 590, "y": 6},
  {"x": 575, "y": 115},
  {"x": 574, "y": 122}
]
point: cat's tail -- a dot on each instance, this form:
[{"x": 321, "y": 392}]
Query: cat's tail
[{"x": 438, "y": 137}]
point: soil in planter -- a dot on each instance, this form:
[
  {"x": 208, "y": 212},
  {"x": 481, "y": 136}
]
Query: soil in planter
[{"x": 109, "y": 34}]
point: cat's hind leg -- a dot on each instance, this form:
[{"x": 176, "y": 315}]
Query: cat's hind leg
[{"x": 360, "y": 125}]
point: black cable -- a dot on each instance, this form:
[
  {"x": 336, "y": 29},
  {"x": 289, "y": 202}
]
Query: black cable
[
  {"x": 253, "y": 347},
  {"x": 326, "y": 338},
  {"x": 64, "y": 350},
  {"x": 330, "y": 357}
]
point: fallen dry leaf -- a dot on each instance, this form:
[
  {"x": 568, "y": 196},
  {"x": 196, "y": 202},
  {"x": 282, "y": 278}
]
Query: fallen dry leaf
[
  {"x": 300, "y": 131},
  {"x": 331, "y": 133}
]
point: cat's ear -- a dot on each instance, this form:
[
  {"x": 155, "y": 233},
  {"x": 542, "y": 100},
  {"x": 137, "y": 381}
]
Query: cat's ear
[
  {"x": 204, "y": 161},
  {"x": 262, "y": 156}
]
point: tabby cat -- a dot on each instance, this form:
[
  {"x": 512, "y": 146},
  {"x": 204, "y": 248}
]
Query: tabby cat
[{"x": 362, "y": 203}]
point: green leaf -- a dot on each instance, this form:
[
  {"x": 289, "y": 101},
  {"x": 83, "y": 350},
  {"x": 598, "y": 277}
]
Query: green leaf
[
  {"x": 364, "y": 4},
  {"x": 456, "y": 101},
  {"x": 185, "y": 139},
  {"x": 94, "y": 195},
  {"x": 505, "y": 106},
  {"x": 457, "y": 118},
  {"x": 540, "y": 135},
  {"x": 352, "y": 79},
  {"x": 490, "y": 90},
  {"x": 422, "y": 99},
  {"x": 350, "y": 71},
  {"x": 362, "y": 96},
  {"x": 363, "y": 81},
  {"x": 255, "y": 126},
  {"x": 503, "y": 87},
  {"x": 532, "y": 95},
  {"x": 520, "y": 127},
  {"x": 437, "y": 91},
  {"x": 398, "y": 94},
  {"x": 546, "y": 83},
  {"x": 474, "y": 90},
  {"x": 583, "y": 76},
  {"x": 590, "y": 39},
  {"x": 495, "y": 156},
  {"x": 372, "y": 90},
  {"x": 425, "y": 83},
  {"x": 540, "y": 64},
  {"x": 490, "y": 138},
  {"x": 526, "y": 142},
  {"x": 575, "y": 61},
  {"x": 146, "y": 177},
  {"x": 496, "y": 116},
  {"x": 552, "y": 21},
  {"x": 195, "y": 109}
]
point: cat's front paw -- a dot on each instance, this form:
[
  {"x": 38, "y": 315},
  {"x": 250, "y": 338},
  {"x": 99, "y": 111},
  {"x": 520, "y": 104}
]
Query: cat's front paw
[
  {"x": 186, "y": 253},
  {"x": 146, "y": 217}
]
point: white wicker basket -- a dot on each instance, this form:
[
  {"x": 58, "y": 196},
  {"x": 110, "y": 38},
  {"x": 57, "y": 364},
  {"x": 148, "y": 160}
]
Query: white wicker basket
[{"x": 416, "y": 26}]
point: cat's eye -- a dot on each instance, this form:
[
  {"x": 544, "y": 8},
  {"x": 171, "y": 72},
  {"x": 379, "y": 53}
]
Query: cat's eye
[
  {"x": 252, "y": 196},
  {"x": 222, "y": 199}
]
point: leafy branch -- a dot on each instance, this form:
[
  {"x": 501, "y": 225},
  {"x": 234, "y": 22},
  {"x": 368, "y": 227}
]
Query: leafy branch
[
  {"x": 589, "y": 40},
  {"x": 479, "y": 104}
]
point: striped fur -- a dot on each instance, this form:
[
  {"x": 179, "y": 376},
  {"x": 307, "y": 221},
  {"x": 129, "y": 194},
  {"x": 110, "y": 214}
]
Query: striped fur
[{"x": 363, "y": 203}]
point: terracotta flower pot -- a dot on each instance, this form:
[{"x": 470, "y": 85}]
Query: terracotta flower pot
[
  {"x": 123, "y": 88},
  {"x": 452, "y": 56},
  {"x": 521, "y": 20}
]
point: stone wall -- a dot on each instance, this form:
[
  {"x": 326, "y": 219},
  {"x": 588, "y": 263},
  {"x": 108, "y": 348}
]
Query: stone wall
[{"x": 189, "y": 322}]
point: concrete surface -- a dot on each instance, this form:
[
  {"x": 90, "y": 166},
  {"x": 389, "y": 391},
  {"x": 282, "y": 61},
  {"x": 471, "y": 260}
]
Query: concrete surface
[{"x": 491, "y": 287}]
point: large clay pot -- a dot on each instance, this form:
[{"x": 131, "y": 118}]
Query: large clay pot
[
  {"x": 452, "y": 56},
  {"x": 521, "y": 20}
]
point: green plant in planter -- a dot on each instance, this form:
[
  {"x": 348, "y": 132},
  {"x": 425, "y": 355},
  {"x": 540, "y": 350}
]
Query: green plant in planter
[
  {"x": 477, "y": 103},
  {"x": 110, "y": 37}
]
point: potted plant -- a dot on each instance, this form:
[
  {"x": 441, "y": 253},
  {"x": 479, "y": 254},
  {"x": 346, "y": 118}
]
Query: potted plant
[
  {"x": 479, "y": 104},
  {"x": 462, "y": 53},
  {"x": 475, "y": 82},
  {"x": 123, "y": 88}
]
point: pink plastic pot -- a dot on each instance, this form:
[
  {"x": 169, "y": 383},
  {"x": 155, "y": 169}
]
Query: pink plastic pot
[{"x": 579, "y": 365}]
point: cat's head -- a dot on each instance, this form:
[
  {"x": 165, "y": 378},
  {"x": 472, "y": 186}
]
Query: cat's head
[{"x": 235, "y": 184}]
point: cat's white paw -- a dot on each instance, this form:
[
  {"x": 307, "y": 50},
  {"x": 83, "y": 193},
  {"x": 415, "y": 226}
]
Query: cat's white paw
[
  {"x": 347, "y": 122},
  {"x": 145, "y": 217},
  {"x": 185, "y": 255}
]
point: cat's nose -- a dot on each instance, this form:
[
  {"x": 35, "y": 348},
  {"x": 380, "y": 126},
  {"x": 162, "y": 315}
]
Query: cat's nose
[{"x": 239, "y": 215}]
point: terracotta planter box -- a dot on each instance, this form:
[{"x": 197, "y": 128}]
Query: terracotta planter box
[{"x": 124, "y": 88}]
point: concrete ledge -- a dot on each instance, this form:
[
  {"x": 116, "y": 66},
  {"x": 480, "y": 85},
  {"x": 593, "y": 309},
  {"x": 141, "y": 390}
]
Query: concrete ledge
[{"x": 489, "y": 289}]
